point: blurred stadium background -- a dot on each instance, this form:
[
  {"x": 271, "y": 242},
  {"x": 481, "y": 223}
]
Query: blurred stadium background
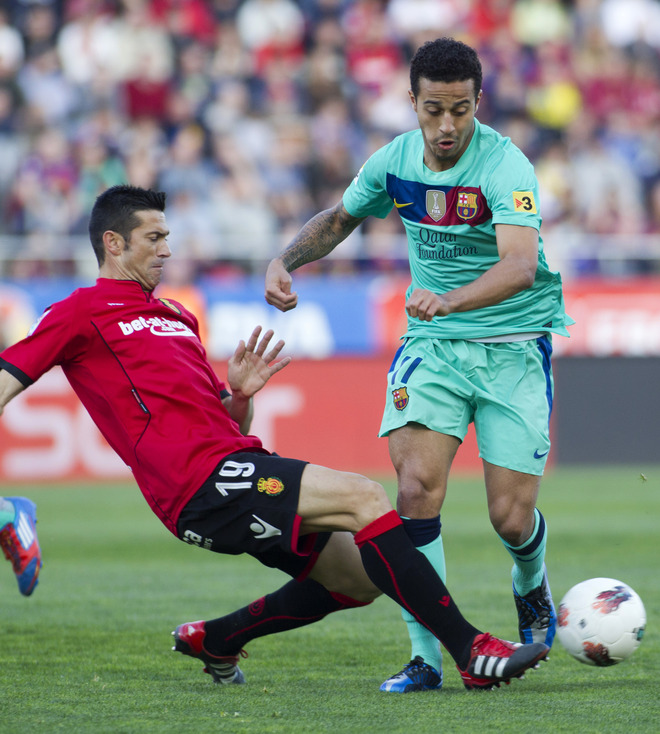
[{"x": 255, "y": 114}]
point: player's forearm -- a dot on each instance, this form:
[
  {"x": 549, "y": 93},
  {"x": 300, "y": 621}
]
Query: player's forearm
[
  {"x": 241, "y": 409},
  {"x": 9, "y": 388},
  {"x": 506, "y": 278},
  {"x": 319, "y": 237}
]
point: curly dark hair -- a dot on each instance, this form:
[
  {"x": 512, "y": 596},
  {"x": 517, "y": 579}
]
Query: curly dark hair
[
  {"x": 115, "y": 209},
  {"x": 445, "y": 60}
]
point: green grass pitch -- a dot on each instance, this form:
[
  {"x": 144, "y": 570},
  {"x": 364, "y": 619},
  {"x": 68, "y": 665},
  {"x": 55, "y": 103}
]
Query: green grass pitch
[{"x": 90, "y": 650}]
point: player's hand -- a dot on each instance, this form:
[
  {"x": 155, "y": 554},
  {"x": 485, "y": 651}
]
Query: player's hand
[
  {"x": 278, "y": 287},
  {"x": 424, "y": 305},
  {"x": 251, "y": 366}
]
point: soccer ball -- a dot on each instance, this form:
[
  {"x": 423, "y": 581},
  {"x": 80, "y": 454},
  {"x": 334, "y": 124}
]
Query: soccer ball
[{"x": 601, "y": 621}]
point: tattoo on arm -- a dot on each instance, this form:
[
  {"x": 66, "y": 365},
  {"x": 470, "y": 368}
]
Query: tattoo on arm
[{"x": 319, "y": 237}]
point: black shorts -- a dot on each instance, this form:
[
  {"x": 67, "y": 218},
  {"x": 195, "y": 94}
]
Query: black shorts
[{"x": 249, "y": 505}]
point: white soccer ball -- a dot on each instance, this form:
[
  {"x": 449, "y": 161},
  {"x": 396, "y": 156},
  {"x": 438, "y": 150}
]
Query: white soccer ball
[{"x": 601, "y": 621}]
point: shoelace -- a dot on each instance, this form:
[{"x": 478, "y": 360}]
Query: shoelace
[
  {"x": 240, "y": 654},
  {"x": 532, "y": 608},
  {"x": 414, "y": 666}
]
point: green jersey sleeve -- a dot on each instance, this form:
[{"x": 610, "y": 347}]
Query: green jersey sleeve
[
  {"x": 367, "y": 193},
  {"x": 512, "y": 188}
]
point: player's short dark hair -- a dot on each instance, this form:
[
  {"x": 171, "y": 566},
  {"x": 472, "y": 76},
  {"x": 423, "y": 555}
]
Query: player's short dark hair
[
  {"x": 445, "y": 60},
  {"x": 115, "y": 209}
]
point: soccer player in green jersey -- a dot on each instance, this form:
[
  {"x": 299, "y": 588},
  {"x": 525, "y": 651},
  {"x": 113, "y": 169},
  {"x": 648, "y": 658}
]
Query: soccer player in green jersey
[{"x": 482, "y": 306}]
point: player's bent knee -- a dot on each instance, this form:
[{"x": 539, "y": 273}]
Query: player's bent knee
[
  {"x": 366, "y": 502},
  {"x": 511, "y": 529},
  {"x": 372, "y": 502},
  {"x": 334, "y": 500}
]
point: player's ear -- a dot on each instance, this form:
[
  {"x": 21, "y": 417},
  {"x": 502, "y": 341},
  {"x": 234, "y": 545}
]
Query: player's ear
[
  {"x": 413, "y": 101},
  {"x": 476, "y": 104},
  {"x": 113, "y": 242}
]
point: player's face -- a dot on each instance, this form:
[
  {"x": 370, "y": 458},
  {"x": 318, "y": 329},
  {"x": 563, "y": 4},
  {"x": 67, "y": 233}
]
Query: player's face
[
  {"x": 143, "y": 255},
  {"x": 445, "y": 112}
]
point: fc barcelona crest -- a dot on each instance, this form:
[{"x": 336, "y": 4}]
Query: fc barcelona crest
[
  {"x": 436, "y": 204},
  {"x": 466, "y": 205},
  {"x": 400, "y": 396}
]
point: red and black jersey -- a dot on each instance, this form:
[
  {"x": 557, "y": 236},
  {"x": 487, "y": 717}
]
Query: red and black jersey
[{"x": 137, "y": 364}]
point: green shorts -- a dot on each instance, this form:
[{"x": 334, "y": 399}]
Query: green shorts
[{"x": 506, "y": 389}]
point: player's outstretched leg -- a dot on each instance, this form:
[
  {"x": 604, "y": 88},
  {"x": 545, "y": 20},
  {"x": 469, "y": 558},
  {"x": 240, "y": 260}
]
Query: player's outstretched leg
[
  {"x": 19, "y": 542},
  {"x": 218, "y": 643},
  {"x": 398, "y": 569}
]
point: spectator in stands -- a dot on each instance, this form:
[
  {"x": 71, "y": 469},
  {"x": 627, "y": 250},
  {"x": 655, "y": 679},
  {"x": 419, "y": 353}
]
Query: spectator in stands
[
  {"x": 50, "y": 98},
  {"x": 244, "y": 69},
  {"x": 12, "y": 48},
  {"x": 188, "y": 168},
  {"x": 536, "y": 22}
]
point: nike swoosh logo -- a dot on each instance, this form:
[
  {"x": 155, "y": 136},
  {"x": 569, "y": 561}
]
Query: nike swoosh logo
[
  {"x": 400, "y": 206},
  {"x": 539, "y": 456},
  {"x": 445, "y": 601},
  {"x": 263, "y": 529}
]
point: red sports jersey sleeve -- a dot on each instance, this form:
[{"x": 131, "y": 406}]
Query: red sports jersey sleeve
[{"x": 138, "y": 366}]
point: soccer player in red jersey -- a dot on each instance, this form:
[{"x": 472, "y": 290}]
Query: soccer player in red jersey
[{"x": 138, "y": 366}]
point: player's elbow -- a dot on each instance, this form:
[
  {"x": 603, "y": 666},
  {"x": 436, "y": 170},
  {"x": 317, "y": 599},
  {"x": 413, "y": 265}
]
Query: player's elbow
[
  {"x": 524, "y": 274},
  {"x": 527, "y": 277}
]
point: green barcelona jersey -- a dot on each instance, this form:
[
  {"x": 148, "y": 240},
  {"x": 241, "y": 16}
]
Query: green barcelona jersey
[{"x": 450, "y": 220}]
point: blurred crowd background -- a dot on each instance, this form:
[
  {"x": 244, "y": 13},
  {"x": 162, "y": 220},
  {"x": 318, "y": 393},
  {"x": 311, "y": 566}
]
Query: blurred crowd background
[{"x": 253, "y": 115}]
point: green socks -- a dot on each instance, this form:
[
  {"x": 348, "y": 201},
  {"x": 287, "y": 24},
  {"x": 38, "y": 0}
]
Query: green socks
[{"x": 528, "y": 558}]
